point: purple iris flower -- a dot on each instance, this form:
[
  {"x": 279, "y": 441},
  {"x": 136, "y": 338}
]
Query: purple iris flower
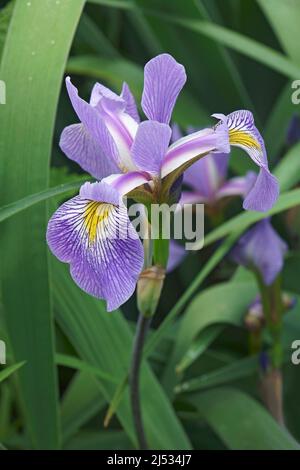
[
  {"x": 244, "y": 134},
  {"x": 127, "y": 155},
  {"x": 207, "y": 178},
  {"x": 293, "y": 131},
  {"x": 262, "y": 249}
]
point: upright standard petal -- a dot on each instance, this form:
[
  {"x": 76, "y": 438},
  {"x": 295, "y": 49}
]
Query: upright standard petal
[
  {"x": 81, "y": 147},
  {"x": 92, "y": 232},
  {"x": 103, "y": 97},
  {"x": 194, "y": 146},
  {"x": 243, "y": 133},
  {"x": 105, "y": 120},
  {"x": 261, "y": 248},
  {"x": 163, "y": 81},
  {"x": 121, "y": 125},
  {"x": 150, "y": 146},
  {"x": 91, "y": 137},
  {"x": 176, "y": 133},
  {"x": 130, "y": 107}
]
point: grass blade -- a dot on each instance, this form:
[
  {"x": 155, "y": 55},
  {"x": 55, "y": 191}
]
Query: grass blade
[
  {"x": 229, "y": 410},
  {"x": 81, "y": 402},
  {"x": 29, "y": 201},
  {"x": 105, "y": 341},
  {"x": 33, "y": 62},
  {"x": 284, "y": 18},
  {"x": 239, "y": 43},
  {"x": 5, "y": 373}
]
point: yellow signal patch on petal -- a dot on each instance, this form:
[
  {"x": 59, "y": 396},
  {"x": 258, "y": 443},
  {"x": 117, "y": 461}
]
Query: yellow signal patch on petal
[
  {"x": 95, "y": 213},
  {"x": 238, "y": 137}
]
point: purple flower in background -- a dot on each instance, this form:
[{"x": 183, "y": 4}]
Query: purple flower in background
[
  {"x": 293, "y": 131},
  {"x": 262, "y": 249},
  {"x": 113, "y": 145},
  {"x": 254, "y": 319}
]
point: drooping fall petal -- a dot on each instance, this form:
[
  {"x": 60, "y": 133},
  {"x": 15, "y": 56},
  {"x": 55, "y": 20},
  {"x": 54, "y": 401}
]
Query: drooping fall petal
[{"x": 92, "y": 232}]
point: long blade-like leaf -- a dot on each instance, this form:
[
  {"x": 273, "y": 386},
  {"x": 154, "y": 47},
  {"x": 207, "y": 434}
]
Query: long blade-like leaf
[
  {"x": 239, "y": 43},
  {"x": 28, "y": 201},
  {"x": 229, "y": 410},
  {"x": 105, "y": 340},
  {"x": 33, "y": 63},
  {"x": 4, "y": 374}
]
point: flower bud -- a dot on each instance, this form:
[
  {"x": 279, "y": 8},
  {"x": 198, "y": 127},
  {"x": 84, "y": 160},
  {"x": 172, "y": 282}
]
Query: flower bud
[
  {"x": 254, "y": 319},
  {"x": 149, "y": 288}
]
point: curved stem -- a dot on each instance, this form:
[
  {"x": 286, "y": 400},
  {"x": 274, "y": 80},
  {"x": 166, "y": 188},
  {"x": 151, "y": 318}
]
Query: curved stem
[{"x": 140, "y": 335}]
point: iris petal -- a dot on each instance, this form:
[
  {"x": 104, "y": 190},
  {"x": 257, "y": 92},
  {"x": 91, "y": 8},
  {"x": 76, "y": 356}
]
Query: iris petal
[
  {"x": 194, "y": 146},
  {"x": 80, "y": 146},
  {"x": 261, "y": 248},
  {"x": 96, "y": 237},
  {"x": 124, "y": 183},
  {"x": 92, "y": 133},
  {"x": 164, "y": 79},
  {"x": 264, "y": 193},
  {"x": 150, "y": 146},
  {"x": 131, "y": 107},
  {"x": 243, "y": 133}
]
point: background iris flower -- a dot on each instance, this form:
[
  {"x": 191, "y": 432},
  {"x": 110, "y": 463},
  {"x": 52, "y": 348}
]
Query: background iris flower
[{"x": 261, "y": 248}]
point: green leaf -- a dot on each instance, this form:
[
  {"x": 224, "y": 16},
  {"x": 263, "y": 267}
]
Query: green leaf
[
  {"x": 33, "y": 62},
  {"x": 245, "y": 219},
  {"x": 284, "y": 17},
  {"x": 5, "y": 373},
  {"x": 124, "y": 4},
  {"x": 6, "y": 411},
  {"x": 239, "y": 43},
  {"x": 89, "y": 33},
  {"x": 180, "y": 304},
  {"x": 222, "y": 304},
  {"x": 188, "y": 47},
  {"x": 105, "y": 340},
  {"x": 75, "y": 363},
  {"x": 5, "y": 17},
  {"x": 234, "y": 371},
  {"x": 277, "y": 124},
  {"x": 198, "y": 346},
  {"x": 100, "y": 440},
  {"x": 228, "y": 411},
  {"x": 163, "y": 329},
  {"x": 147, "y": 36},
  {"x": 81, "y": 401},
  {"x": 288, "y": 169},
  {"x": 29, "y": 201}
]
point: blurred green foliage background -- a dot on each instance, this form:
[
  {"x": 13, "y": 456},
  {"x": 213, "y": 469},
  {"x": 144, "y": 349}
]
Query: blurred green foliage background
[{"x": 71, "y": 355}]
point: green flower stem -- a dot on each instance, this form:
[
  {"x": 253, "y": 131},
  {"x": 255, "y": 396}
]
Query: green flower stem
[
  {"x": 148, "y": 294},
  {"x": 273, "y": 310},
  {"x": 141, "y": 332},
  {"x": 255, "y": 342},
  {"x": 271, "y": 381}
]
